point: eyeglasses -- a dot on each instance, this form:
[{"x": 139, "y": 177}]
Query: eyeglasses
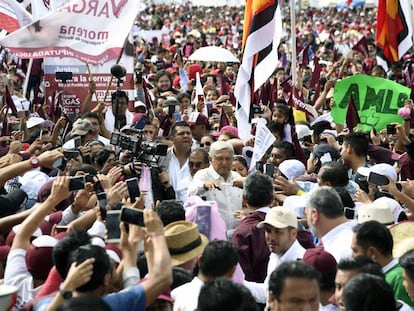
[
  {"x": 195, "y": 164},
  {"x": 207, "y": 143}
]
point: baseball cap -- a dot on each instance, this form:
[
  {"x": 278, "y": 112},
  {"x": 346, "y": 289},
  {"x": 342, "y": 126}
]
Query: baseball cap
[
  {"x": 324, "y": 262},
  {"x": 139, "y": 103},
  {"x": 228, "y": 128},
  {"x": 81, "y": 128},
  {"x": 381, "y": 168},
  {"x": 292, "y": 168},
  {"x": 279, "y": 217},
  {"x": 39, "y": 256},
  {"x": 198, "y": 118}
]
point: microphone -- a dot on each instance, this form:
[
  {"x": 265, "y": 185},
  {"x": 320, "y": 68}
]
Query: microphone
[{"x": 118, "y": 71}]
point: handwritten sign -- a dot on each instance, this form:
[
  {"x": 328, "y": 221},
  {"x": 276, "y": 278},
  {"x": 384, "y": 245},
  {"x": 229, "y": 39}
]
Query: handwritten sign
[{"x": 377, "y": 100}]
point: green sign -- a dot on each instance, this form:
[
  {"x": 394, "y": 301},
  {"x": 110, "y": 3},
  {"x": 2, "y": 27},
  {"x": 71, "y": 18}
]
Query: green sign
[{"x": 377, "y": 100}]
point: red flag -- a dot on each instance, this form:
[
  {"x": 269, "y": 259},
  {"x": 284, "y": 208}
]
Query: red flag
[
  {"x": 287, "y": 84},
  {"x": 362, "y": 47},
  {"x": 224, "y": 90},
  {"x": 148, "y": 99},
  {"x": 224, "y": 120},
  {"x": 334, "y": 45},
  {"x": 352, "y": 117},
  {"x": 8, "y": 101},
  {"x": 316, "y": 74},
  {"x": 273, "y": 95},
  {"x": 394, "y": 31},
  {"x": 303, "y": 56},
  {"x": 265, "y": 92}
]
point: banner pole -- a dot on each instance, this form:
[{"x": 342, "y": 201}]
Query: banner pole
[
  {"x": 293, "y": 36},
  {"x": 27, "y": 77}
]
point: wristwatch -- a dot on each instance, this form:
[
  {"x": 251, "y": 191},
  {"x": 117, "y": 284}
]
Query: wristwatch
[
  {"x": 34, "y": 162},
  {"x": 65, "y": 293}
]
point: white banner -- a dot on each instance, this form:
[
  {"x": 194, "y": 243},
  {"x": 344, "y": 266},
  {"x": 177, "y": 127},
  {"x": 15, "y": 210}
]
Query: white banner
[{"x": 92, "y": 31}]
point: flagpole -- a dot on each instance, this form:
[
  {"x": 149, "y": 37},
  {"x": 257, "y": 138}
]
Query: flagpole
[
  {"x": 90, "y": 78},
  {"x": 27, "y": 77},
  {"x": 293, "y": 38}
]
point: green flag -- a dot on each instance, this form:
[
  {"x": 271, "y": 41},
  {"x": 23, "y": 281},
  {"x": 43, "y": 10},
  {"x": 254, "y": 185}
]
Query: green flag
[{"x": 377, "y": 100}]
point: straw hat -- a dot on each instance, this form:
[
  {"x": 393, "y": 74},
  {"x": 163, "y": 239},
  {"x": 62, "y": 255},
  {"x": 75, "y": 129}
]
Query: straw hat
[
  {"x": 184, "y": 241},
  {"x": 401, "y": 232}
]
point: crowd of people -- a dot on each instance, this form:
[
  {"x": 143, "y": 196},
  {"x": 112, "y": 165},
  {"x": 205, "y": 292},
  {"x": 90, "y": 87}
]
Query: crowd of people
[{"x": 153, "y": 202}]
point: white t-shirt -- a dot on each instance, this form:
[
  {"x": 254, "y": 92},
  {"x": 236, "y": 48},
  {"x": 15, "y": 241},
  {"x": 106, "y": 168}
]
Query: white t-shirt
[
  {"x": 186, "y": 296},
  {"x": 16, "y": 274}
]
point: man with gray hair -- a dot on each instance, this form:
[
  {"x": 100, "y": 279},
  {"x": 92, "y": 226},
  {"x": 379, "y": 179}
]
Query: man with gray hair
[
  {"x": 325, "y": 216},
  {"x": 215, "y": 183}
]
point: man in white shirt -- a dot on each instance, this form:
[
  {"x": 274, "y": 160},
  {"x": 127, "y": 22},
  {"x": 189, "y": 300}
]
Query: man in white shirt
[
  {"x": 325, "y": 216},
  {"x": 281, "y": 229},
  {"x": 215, "y": 183},
  {"x": 219, "y": 259},
  {"x": 176, "y": 160}
]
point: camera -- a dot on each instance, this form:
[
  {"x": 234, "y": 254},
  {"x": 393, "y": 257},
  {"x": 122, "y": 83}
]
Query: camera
[{"x": 137, "y": 145}]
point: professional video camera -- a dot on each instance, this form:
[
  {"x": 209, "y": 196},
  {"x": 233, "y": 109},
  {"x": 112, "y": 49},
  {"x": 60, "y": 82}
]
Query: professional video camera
[{"x": 137, "y": 146}]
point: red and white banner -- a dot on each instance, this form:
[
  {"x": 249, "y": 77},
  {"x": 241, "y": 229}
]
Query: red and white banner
[
  {"x": 76, "y": 90},
  {"x": 92, "y": 31}
]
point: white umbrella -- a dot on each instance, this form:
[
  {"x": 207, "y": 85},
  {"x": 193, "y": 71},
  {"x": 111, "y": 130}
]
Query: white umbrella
[{"x": 214, "y": 54}]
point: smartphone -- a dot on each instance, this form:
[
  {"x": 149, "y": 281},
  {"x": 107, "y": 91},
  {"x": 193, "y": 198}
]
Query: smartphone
[
  {"x": 84, "y": 253},
  {"x": 178, "y": 116},
  {"x": 340, "y": 139},
  {"x": 71, "y": 154},
  {"x": 112, "y": 226},
  {"x": 171, "y": 110},
  {"x": 307, "y": 140},
  {"x": 391, "y": 130},
  {"x": 349, "y": 213},
  {"x": 141, "y": 123},
  {"x": 77, "y": 183},
  {"x": 77, "y": 141},
  {"x": 259, "y": 166},
  {"x": 132, "y": 216},
  {"x": 138, "y": 77},
  {"x": 115, "y": 137},
  {"x": 209, "y": 106},
  {"x": 102, "y": 204},
  {"x": 60, "y": 163},
  {"x": 269, "y": 169},
  {"x": 133, "y": 188},
  {"x": 257, "y": 110},
  {"x": 60, "y": 229},
  {"x": 203, "y": 219},
  {"x": 377, "y": 179}
]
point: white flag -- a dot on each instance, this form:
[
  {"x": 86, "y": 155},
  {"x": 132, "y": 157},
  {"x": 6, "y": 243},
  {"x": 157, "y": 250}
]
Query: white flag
[{"x": 89, "y": 30}]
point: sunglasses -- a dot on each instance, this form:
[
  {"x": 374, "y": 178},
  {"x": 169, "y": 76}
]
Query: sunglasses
[
  {"x": 207, "y": 143},
  {"x": 195, "y": 164}
]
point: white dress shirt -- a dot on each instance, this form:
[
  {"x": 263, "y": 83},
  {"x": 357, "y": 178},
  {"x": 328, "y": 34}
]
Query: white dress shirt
[
  {"x": 338, "y": 241},
  {"x": 229, "y": 198},
  {"x": 260, "y": 291},
  {"x": 178, "y": 174}
]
